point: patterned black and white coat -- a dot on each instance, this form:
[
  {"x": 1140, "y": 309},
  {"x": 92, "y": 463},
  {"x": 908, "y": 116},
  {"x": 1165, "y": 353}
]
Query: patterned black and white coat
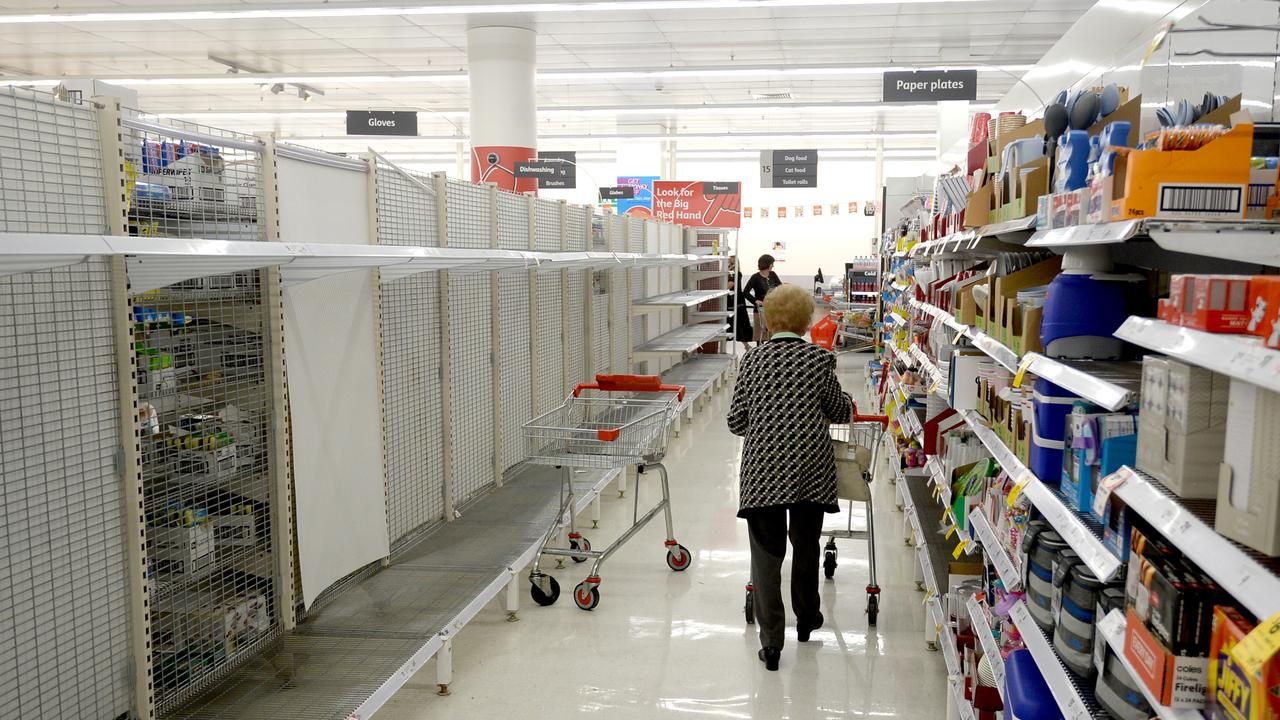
[{"x": 786, "y": 396}]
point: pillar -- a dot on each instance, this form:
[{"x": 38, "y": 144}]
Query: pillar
[{"x": 501, "y": 63}]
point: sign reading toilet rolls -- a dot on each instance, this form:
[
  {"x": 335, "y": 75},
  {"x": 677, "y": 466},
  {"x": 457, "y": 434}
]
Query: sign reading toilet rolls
[{"x": 381, "y": 122}]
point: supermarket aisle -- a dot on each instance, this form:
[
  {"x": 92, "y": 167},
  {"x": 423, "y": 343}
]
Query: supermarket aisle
[{"x": 665, "y": 644}]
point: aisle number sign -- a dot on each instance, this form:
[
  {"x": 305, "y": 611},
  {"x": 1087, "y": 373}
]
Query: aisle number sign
[{"x": 789, "y": 169}]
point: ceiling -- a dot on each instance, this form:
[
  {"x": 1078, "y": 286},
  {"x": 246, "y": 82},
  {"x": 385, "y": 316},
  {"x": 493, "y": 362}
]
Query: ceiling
[{"x": 605, "y": 70}]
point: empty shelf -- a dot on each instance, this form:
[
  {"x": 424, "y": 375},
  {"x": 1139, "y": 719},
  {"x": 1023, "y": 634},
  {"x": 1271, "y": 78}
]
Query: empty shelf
[{"x": 685, "y": 339}]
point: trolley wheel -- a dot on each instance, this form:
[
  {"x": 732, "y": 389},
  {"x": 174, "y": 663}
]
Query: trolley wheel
[
  {"x": 873, "y": 609},
  {"x": 584, "y": 545},
  {"x": 542, "y": 598},
  {"x": 586, "y": 596},
  {"x": 678, "y": 558},
  {"x": 829, "y": 565},
  {"x": 749, "y": 607}
]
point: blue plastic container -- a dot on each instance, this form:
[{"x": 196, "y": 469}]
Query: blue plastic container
[
  {"x": 1052, "y": 404},
  {"x": 1081, "y": 315},
  {"x": 1027, "y": 697}
]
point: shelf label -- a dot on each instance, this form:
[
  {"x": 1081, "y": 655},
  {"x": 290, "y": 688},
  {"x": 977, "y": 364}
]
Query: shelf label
[
  {"x": 955, "y": 554},
  {"x": 1022, "y": 370},
  {"x": 1258, "y": 646},
  {"x": 1105, "y": 488},
  {"x": 1024, "y": 479}
]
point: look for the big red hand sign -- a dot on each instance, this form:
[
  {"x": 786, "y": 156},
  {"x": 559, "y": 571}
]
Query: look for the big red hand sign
[{"x": 698, "y": 204}]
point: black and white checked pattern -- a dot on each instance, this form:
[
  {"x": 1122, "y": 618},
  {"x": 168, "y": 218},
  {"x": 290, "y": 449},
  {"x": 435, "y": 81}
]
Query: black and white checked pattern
[{"x": 786, "y": 395}]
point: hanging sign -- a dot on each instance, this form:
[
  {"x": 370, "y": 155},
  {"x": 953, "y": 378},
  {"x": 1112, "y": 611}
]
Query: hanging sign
[
  {"x": 620, "y": 192},
  {"x": 789, "y": 168},
  {"x": 925, "y": 86},
  {"x": 698, "y": 204},
  {"x": 381, "y": 122},
  {"x": 552, "y": 169}
]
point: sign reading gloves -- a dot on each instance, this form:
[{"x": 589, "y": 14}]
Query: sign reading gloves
[{"x": 381, "y": 122}]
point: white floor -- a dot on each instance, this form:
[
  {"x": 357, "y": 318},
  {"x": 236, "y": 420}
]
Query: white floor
[{"x": 664, "y": 644}]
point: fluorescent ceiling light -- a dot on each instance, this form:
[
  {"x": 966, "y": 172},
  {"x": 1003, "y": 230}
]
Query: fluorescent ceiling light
[
  {"x": 881, "y": 135},
  {"x": 457, "y": 9},
  {"x": 460, "y": 76}
]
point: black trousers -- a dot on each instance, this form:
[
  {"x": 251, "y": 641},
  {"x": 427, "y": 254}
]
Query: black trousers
[{"x": 769, "y": 532}]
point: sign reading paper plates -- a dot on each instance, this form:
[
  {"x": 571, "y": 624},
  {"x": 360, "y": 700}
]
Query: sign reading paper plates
[
  {"x": 926, "y": 86},
  {"x": 789, "y": 168},
  {"x": 698, "y": 204}
]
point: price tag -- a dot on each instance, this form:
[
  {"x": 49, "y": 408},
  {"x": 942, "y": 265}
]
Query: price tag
[
  {"x": 1105, "y": 488},
  {"x": 1022, "y": 370},
  {"x": 955, "y": 554},
  {"x": 1021, "y": 484},
  {"x": 951, "y": 531},
  {"x": 959, "y": 336},
  {"x": 937, "y": 383},
  {"x": 1258, "y": 646},
  {"x": 927, "y": 597}
]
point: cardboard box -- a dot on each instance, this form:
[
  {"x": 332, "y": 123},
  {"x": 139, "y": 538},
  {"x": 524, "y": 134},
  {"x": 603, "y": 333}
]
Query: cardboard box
[
  {"x": 1248, "y": 509},
  {"x": 1006, "y": 289},
  {"x": 1235, "y": 694},
  {"x": 1210, "y": 183},
  {"x": 1220, "y": 303},
  {"x": 1176, "y": 681},
  {"x": 980, "y": 204},
  {"x": 206, "y": 466},
  {"x": 235, "y": 530},
  {"x": 1264, "y": 309},
  {"x": 182, "y": 550},
  {"x": 1182, "y": 426}
]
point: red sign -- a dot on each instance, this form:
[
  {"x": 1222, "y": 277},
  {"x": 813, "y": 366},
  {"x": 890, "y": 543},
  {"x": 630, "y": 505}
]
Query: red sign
[
  {"x": 698, "y": 204},
  {"x": 496, "y": 164}
]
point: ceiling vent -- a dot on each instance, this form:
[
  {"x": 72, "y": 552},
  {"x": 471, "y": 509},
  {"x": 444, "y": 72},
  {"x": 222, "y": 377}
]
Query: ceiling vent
[{"x": 771, "y": 96}]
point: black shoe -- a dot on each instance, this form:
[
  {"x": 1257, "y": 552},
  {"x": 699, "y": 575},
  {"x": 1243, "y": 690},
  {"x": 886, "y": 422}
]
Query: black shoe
[
  {"x": 770, "y": 656},
  {"x": 804, "y": 628}
]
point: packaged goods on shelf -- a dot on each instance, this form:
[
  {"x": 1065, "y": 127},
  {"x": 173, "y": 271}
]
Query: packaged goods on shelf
[
  {"x": 1264, "y": 309},
  {"x": 1098, "y": 444},
  {"x": 182, "y": 550},
  {"x": 1182, "y": 426},
  {"x": 1027, "y": 695},
  {"x": 1116, "y": 689},
  {"x": 1074, "y": 634},
  {"x": 1042, "y": 548},
  {"x": 1234, "y": 692},
  {"x": 1248, "y": 509}
]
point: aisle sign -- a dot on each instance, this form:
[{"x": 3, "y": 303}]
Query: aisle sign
[
  {"x": 698, "y": 204},
  {"x": 788, "y": 168},
  {"x": 925, "y": 86},
  {"x": 552, "y": 169},
  {"x": 620, "y": 192},
  {"x": 381, "y": 122}
]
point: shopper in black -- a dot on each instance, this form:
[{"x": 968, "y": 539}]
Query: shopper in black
[
  {"x": 757, "y": 287},
  {"x": 742, "y": 332},
  {"x": 786, "y": 397}
]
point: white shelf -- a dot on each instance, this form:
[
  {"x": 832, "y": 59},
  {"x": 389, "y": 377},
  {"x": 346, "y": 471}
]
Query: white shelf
[
  {"x": 1251, "y": 242},
  {"x": 684, "y": 339},
  {"x": 1064, "y": 692},
  {"x": 1239, "y": 356},
  {"x": 1255, "y": 587},
  {"x": 1009, "y": 227},
  {"x": 937, "y": 312},
  {"x": 982, "y": 629},
  {"x": 994, "y": 349},
  {"x": 1113, "y": 628},
  {"x": 1082, "y": 235},
  {"x": 995, "y": 551},
  {"x": 950, "y": 655},
  {"x": 685, "y": 298},
  {"x": 903, "y": 357},
  {"x": 895, "y": 318},
  {"x": 1087, "y": 385},
  {"x": 1066, "y": 523}
]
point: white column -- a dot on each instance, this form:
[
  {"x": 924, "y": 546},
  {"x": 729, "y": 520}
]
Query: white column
[
  {"x": 953, "y": 125},
  {"x": 501, "y": 64}
]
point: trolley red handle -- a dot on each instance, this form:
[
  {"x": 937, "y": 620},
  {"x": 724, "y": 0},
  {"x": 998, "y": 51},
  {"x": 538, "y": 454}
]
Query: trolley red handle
[
  {"x": 882, "y": 419},
  {"x": 629, "y": 383}
]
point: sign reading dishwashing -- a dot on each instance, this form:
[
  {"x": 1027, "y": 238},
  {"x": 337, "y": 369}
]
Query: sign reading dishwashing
[
  {"x": 552, "y": 169},
  {"x": 698, "y": 204},
  {"x": 381, "y": 122},
  {"x": 788, "y": 168},
  {"x": 930, "y": 86}
]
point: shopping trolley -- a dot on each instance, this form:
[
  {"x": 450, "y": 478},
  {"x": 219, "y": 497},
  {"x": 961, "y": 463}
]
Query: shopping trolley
[
  {"x": 617, "y": 421},
  {"x": 857, "y": 448}
]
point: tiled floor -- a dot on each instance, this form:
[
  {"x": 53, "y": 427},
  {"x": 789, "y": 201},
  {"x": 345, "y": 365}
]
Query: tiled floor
[{"x": 664, "y": 644}]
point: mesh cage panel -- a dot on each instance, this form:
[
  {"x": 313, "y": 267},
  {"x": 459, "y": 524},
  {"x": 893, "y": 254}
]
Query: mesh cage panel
[
  {"x": 548, "y": 224},
  {"x": 50, "y": 166},
  {"x": 468, "y": 215},
  {"x": 413, "y": 433},
  {"x": 550, "y": 342},
  {"x": 513, "y": 292},
  {"x": 207, "y": 479},
  {"x": 575, "y": 330},
  {"x": 600, "y": 321},
  {"x": 619, "y": 329},
  {"x": 413, "y": 420},
  {"x": 513, "y": 222},
  {"x": 575, "y": 221},
  {"x": 64, "y": 641},
  {"x": 406, "y": 209},
  {"x": 470, "y": 314}
]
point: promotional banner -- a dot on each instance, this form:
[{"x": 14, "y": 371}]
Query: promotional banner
[
  {"x": 497, "y": 164},
  {"x": 641, "y": 203},
  {"x": 698, "y": 204}
]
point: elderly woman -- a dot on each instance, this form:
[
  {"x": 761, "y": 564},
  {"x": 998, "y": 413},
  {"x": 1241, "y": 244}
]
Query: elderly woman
[{"x": 786, "y": 396}]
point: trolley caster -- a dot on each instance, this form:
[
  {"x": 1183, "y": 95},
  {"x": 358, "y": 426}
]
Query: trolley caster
[
  {"x": 873, "y": 609},
  {"x": 548, "y": 597},
  {"x": 829, "y": 559},
  {"x": 443, "y": 690},
  {"x": 678, "y": 557},
  {"x": 749, "y": 607},
  {"x": 586, "y": 595},
  {"x": 577, "y": 542}
]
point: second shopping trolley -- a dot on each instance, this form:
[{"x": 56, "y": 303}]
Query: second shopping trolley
[{"x": 615, "y": 422}]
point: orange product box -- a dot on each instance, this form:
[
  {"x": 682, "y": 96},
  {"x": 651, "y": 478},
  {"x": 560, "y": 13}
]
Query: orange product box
[
  {"x": 1264, "y": 308},
  {"x": 1209, "y": 183},
  {"x": 1218, "y": 303},
  {"x": 1233, "y": 693},
  {"x": 1177, "y": 290},
  {"x": 1175, "y": 680}
]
